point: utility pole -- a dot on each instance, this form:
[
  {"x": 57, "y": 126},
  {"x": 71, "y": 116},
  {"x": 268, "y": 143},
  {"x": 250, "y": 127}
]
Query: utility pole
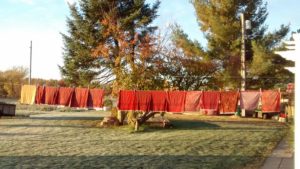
[
  {"x": 243, "y": 55},
  {"x": 243, "y": 66},
  {"x": 30, "y": 62}
]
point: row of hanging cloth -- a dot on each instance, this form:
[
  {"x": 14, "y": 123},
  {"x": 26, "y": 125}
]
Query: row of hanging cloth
[
  {"x": 65, "y": 96},
  {"x": 193, "y": 101}
]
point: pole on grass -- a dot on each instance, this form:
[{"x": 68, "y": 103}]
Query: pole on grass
[{"x": 30, "y": 63}]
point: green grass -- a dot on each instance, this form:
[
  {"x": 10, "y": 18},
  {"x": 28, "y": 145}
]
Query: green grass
[{"x": 192, "y": 142}]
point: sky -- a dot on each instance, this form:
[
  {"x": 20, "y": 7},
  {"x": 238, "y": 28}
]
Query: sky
[{"x": 42, "y": 21}]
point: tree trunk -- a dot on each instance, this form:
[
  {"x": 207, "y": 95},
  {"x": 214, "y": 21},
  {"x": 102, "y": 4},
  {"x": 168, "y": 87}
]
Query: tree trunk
[{"x": 143, "y": 119}]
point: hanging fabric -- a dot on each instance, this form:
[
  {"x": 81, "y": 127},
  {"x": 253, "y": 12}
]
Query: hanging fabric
[
  {"x": 80, "y": 97},
  {"x": 192, "y": 101},
  {"x": 249, "y": 100},
  {"x": 64, "y": 97},
  {"x": 228, "y": 102},
  {"x": 40, "y": 95},
  {"x": 159, "y": 101},
  {"x": 127, "y": 100},
  {"x": 176, "y": 101},
  {"x": 209, "y": 102},
  {"x": 95, "y": 98},
  {"x": 143, "y": 100},
  {"x": 51, "y": 95},
  {"x": 28, "y": 93},
  {"x": 270, "y": 100}
]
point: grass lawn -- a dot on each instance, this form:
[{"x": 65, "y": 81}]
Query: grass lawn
[{"x": 193, "y": 142}]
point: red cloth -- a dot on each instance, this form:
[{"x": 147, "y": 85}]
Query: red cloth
[
  {"x": 159, "y": 101},
  {"x": 176, "y": 100},
  {"x": 192, "y": 101},
  {"x": 127, "y": 100},
  {"x": 80, "y": 97},
  {"x": 210, "y": 101},
  {"x": 95, "y": 98},
  {"x": 65, "y": 96},
  {"x": 143, "y": 100},
  {"x": 270, "y": 101},
  {"x": 40, "y": 95},
  {"x": 228, "y": 102},
  {"x": 51, "y": 95},
  {"x": 249, "y": 100}
]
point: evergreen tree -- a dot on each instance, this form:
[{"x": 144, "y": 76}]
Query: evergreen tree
[
  {"x": 112, "y": 40},
  {"x": 80, "y": 67},
  {"x": 221, "y": 25}
]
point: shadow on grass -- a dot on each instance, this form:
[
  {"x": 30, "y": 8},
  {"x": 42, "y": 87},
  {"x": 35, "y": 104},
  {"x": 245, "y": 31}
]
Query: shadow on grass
[
  {"x": 207, "y": 125},
  {"x": 129, "y": 161},
  {"x": 190, "y": 124},
  {"x": 67, "y": 118},
  {"x": 37, "y": 126}
]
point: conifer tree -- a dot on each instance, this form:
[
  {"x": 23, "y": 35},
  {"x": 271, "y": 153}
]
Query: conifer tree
[
  {"x": 80, "y": 68},
  {"x": 219, "y": 20},
  {"x": 114, "y": 38}
]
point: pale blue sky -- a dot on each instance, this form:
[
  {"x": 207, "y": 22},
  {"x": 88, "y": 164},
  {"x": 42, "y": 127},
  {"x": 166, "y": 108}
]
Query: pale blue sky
[{"x": 42, "y": 20}]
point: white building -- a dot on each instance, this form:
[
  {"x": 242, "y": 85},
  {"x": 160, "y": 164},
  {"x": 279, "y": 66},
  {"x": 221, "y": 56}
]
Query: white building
[{"x": 294, "y": 51}]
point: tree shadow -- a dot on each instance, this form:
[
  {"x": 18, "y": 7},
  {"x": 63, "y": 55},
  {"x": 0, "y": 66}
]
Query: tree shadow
[
  {"x": 131, "y": 161},
  {"x": 67, "y": 118}
]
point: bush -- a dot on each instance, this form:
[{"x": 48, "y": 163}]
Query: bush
[{"x": 108, "y": 103}]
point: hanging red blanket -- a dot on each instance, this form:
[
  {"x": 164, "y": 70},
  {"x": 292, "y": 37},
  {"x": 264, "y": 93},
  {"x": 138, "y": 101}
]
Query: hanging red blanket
[
  {"x": 159, "y": 101},
  {"x": 143, "y": 100},
  {"x": 127, "y": 100},
  {"x": 64, "y": 97},
  {"x": 209, "y": 102},
  {"x": 51, "y": 95},
  {"x": 40, "y": 95},
  {"x": 95, "y": 98},
  {"x": 176, "y": 100},
  {"x": 80, "y": 97},
  {"x": 192, "y": 101},
  {"x": 270, "y": 101},
  {"x": 228, "y": 102}
]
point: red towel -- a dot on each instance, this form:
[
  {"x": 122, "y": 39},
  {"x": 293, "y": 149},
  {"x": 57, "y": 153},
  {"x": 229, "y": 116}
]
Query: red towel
[
  {"x": 249, "y": 100},
  {"x": 159, "y": 101},
  {"x": 270, "y": 101},
  {"x": 210, "y": 101},
  {"x": 80, "y": 97},
  {"x": 40, "y": 95},
  {"x": 65, "y": 96},
  {"x": 228, "y": 102},
  {"x": 176, "y": 100},
  {"x": 95, "y": 98},
  {"x": 143, "y": 100},
  {"x": 51, "y": 95},
  {"x": 192, "y": 101},
  {"x": 127, "y": 100}
]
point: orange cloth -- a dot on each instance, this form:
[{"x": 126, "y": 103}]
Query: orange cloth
[
  {"x": 210, "y": 101},
  {"x": 192, "y": 101},
  {"x": 80, "y": 98},
  {"x": 28, "y": 93},
  {"x": 270, "y": 101},
  {"x": 40, "y": 95},
  {"x": 176, "y": 101},
  {"x": 228, "y": 102},
  {"x": 95, "y": 98},
  {"x": 51, "y": 95},
  {"x": 65, "y": 95}
]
